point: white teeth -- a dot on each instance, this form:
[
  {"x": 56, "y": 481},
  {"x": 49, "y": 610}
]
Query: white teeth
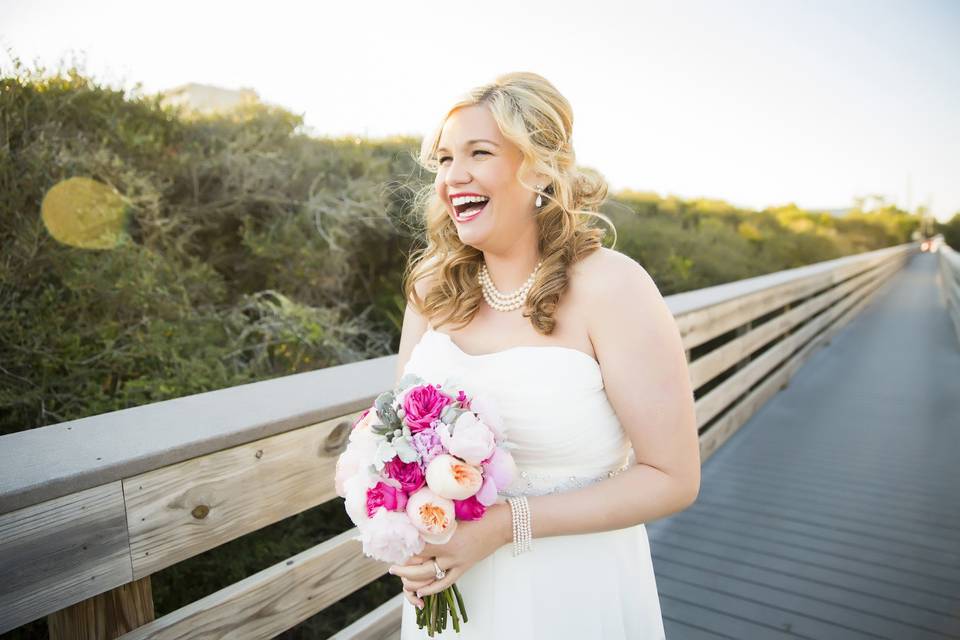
[
  {"x": 473, "y": 213},
  {"x": 465, "y": 199}
]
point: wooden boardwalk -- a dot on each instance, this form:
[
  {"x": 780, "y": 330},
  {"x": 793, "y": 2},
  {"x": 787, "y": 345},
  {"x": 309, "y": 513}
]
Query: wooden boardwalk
[{"x": 834, "y": 512}]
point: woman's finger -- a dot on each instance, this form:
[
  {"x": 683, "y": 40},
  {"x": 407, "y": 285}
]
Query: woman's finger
[
  {"x": 436, "y": 586},
  {"x": 414, "y": 571},
  {"x": 413, "y": 585},
  {"x": 414, "y": 600}
]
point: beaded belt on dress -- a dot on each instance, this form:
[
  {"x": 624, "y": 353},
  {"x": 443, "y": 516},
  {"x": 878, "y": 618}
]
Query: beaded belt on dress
[{"x": 535, "y": 484}]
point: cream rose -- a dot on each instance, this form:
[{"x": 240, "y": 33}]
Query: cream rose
[
  {"x": 434, "y": 516},
  {"x": 454, "y": 479}
]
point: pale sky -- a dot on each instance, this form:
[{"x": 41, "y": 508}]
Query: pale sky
[{"x": 757, "y": 103}]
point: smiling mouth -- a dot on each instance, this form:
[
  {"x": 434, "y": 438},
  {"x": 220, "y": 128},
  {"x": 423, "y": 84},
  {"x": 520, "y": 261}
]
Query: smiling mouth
[{"x": 469, "y": 211}]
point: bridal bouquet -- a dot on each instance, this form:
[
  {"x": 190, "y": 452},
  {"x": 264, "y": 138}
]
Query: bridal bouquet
[{"x": 417, "y": 462}]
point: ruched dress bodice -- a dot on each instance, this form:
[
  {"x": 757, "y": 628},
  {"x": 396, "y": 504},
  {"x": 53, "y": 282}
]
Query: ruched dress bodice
[{"x": 563, "y": 429}]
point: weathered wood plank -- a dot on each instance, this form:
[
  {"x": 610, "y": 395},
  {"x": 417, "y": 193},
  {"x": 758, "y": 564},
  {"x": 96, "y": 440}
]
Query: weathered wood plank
[
  {"x": 728, "y": 624},
  {"x": 383, "y": 623},
  {"x": 274, "y": 599},
  {"x": 56, "y": 460},
  {"x": 179, "y": 511},
  {"x": 869, "y": 594},
  {"x": 60, "y": 552},
  {"x": 847, "y": 611},
  {"x": 825, "y": 553},
  {"x": 770, "y": 615},
  {"x": 830, "y": 542}
]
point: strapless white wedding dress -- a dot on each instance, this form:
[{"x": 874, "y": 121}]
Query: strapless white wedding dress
[{"x": 567, "y": 435}]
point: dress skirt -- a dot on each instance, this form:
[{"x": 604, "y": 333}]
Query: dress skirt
[{"x": 595, "y": 585}]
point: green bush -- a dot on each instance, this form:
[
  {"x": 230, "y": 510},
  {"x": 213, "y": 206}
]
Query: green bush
[{"x": 950, "y": 231}]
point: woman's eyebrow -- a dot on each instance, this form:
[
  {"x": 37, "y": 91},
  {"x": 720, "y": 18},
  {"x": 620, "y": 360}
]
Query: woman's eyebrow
[{"x": 470, "y": 142}]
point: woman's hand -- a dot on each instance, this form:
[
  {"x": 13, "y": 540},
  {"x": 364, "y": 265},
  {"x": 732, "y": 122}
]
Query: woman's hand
[
  {"x": 472, "y": 541},
  {"x": 410, "y": 585}
]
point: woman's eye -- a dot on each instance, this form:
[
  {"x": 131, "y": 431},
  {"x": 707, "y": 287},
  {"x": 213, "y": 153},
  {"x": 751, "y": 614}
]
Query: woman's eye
[{"x": 476, "y": 151}]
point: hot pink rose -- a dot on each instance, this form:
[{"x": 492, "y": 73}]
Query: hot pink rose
[
  {"x": 469, "y": 509},
  {"x": 383, "y": 495},
  {"x": 408, "y": 474},
  {"x": 422, "y": 405}
]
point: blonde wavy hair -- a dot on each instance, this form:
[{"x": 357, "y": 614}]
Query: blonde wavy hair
[{"x": 535, "y": 117}]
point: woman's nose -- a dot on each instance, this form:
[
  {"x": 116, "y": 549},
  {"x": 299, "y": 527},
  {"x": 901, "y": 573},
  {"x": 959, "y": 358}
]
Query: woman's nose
[{"x": 456, "y": 173}]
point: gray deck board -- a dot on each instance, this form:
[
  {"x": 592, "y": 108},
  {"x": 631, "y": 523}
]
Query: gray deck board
[{"x": 834, "y": 512}]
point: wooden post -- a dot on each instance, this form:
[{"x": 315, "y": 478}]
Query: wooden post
[{"x": 107, "y": 615}]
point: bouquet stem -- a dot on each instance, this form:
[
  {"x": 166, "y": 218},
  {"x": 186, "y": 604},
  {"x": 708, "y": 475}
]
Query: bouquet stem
[
  {"x": 438, "y": 606},
  {"x": 463, "y": 609},
  {"x": 448, "y": 596}
]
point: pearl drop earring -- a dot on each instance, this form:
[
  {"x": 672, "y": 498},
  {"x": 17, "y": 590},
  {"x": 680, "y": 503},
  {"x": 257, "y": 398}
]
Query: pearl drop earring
[{"x": 539, "y": 199}]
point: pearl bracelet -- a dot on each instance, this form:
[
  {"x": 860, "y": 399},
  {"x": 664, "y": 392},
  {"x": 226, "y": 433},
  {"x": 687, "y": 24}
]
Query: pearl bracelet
[{"x": 522, "y": 534}]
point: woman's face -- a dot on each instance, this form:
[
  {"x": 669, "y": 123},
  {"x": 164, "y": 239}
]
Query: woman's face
[{"x": 475, "y": 159}]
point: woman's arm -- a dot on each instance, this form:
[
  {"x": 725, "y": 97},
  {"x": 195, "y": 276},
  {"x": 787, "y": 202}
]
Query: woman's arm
[{"x": 647, "y": 381}]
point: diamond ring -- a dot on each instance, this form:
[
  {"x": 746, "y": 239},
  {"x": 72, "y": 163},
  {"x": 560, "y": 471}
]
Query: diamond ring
[{"x": 440, "y": 572}]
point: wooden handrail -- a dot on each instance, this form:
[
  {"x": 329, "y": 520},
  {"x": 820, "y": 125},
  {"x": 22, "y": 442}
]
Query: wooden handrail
[
  {"x": 153, "y": 485},
  {"x": 950, "y": 283}
]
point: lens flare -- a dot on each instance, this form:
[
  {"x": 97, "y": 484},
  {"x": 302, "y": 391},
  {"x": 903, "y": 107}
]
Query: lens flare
[{"x": 82, "y": 212}]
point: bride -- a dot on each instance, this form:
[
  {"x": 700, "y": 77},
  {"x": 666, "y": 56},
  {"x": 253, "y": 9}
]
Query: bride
[{"x": 575, "y": 345}]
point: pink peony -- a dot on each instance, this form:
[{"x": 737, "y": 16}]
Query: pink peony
[
  {"x": 486, "y": 408},
  {"x": 384, "y": 495},
  {"x": 469, "y": 509},
  {"x": 488, "y": 492},
  {"x": 408, "y": 474},
  {"x": 422, "y": 405},
  {"x": 471, "y": 440},
  {"x": 501, "y": 468}
]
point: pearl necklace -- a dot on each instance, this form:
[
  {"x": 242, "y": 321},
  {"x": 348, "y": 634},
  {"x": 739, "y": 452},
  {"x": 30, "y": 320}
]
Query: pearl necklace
[{"x": 502, "y": 301}]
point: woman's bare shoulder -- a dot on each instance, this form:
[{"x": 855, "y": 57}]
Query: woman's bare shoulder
[{"x": 603, "y": 267}]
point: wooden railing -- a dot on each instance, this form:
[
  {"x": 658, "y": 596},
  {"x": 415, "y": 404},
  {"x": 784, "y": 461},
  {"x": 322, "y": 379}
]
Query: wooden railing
[
  {"x": 950, "y": 283},
  {"x": 90, "y": 508}
]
